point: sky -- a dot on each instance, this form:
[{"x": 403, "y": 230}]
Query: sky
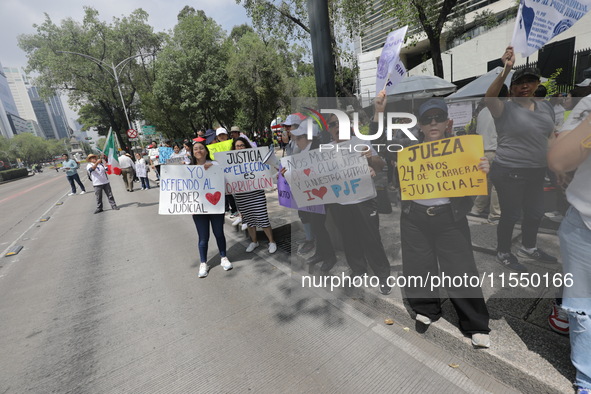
[{"x": 18, "y": 17}]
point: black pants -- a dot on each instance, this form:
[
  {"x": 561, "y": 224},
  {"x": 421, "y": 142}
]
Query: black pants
[
  {"x": 431, "y": 246},
  {"x": 359, "y": 225},
  {"x": 519, "y": 190},
  {"x": 231, "y": 204}
]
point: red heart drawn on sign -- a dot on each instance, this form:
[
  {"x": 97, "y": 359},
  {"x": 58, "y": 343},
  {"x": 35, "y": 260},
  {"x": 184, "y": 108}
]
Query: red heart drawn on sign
[
  {"x": 307, "y": 171},
  {"x": 213, "y": 198},
  {"x": 319, "y": 192}
]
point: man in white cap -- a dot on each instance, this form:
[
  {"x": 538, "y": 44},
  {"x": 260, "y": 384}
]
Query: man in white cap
[
  {"x": 291, "y": 123},
  {"x": 221, "y": 134}
]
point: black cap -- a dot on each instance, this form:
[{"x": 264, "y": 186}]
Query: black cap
[
  {"x": 434, "y": 103},
  {"x": 525, "y": 72}
]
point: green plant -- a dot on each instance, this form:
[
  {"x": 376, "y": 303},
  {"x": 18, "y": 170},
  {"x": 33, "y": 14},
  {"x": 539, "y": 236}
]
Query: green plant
[
  {"x": 550, "y": 84},
  {"x": 13, "y": 174}
]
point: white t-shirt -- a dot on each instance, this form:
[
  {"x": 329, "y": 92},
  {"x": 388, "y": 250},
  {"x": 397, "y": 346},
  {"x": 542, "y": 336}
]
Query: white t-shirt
[
  {"x": 98, "y": 175},
  {"x": 578, "y": 192},
  {"x": 485, "y": 126}
]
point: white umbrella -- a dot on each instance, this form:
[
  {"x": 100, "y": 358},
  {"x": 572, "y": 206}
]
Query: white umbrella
[
  {"x": 420, "y": 86},
  {"x": 479, "y": 86}
]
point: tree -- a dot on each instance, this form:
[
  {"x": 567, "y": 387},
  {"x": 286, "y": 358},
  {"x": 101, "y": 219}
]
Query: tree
[
  {"x": 29, "y": 147},
  {"x": 86, "y": 82},
  {"x": 288, "y": 20},
  {"x": 259, "y": 78},
  {"x": 191, "y": 90},
  {"x": 430, "y": 15}
]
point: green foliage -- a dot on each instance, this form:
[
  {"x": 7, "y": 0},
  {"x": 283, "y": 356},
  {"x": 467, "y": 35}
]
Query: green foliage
[
  {"x": 31, "y": 148},
  {"x": 86, "y": 81},
  {"x": 486, "y": 18},
  {"x": 551, "y": 85},
  {"x": 13, "y": 173}
]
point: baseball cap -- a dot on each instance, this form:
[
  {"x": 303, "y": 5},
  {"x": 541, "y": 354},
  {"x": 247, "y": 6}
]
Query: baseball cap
[
  {"x": 291, "y": 120},
  {"x": 435, "y": 103},
  {"x": 221, "y": 130},
  {"x": 303, "y": 128},
  {"x": 526, "y": 72}
]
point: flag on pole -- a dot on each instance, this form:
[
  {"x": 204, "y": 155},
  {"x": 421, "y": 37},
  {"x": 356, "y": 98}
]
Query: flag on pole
[
  {"x": 111, "y": 152},
  {"x": 538, "y": 21},
  {"x": 390, "y": 69}
]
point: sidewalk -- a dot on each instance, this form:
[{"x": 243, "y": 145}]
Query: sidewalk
[{"x": 525, "y": 353}]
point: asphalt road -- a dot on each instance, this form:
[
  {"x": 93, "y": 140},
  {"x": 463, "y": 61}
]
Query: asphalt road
[{"x": 111, "y": 303}]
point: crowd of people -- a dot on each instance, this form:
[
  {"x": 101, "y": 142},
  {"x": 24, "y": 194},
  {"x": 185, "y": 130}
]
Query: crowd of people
[{"x": 523, "y": 142}]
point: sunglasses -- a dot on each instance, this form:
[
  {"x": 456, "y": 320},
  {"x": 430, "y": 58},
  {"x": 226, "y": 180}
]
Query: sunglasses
[
  {"x": 333, "y": 124},
  {"x": 426, "y": 120}
]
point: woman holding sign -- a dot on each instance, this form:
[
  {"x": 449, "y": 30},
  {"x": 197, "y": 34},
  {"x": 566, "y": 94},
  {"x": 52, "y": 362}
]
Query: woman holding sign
[
  {"x": 436, "y": 241},
  {"x": 524, "y": 126},
  {"x": 253, "y": 208},
  {"x": 202, "y": 157}
]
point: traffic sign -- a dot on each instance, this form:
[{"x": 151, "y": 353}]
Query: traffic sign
[
  {"x": 131, "y": 133},
  {"x": 149, "y": 130}
]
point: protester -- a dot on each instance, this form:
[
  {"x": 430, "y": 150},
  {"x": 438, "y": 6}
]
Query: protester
[
  {"x": 141, "y": 170},
  {"x": 292, "y": 122},
  {"x": 98, "y": 174},
  {"x": 126, "y": 165},
  {"x": 314, "y": 223},
  {"x": 71, "y": 166},
  {"x": 221, "y": 134},
  {"x": 572, "y": 151},
  {"x": 253, "y": 208},
  {"x": 524, "y": 126},
  {"x": 154, "y": 159},
  {"x": 202, "y": 157},
  {"x": 485, "y": 126},
  {"x": 358, "y": 221},
  {"x": 177, "y": 156},
  {"x": 435, "y": 238},
  {"x": 187, "y": 152}
]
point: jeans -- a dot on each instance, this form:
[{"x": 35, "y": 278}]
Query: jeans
[
  {"x": 217, "y": 225},
  {"x": 145, "y": 182},
  {"x": 575, "y": 249},
  {"x": 519, "y": 189},
  {"x": 71, "y": 179}
]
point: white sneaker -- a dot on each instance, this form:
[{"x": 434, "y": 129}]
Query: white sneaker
[
  {"x": 82, "y": 192},
  {"x": 226, "y": 265},
  {"x": 481, "y": 340},
  {"x": 71, "y": 194},
  {"x": 252, "y": 246},
  {"x": 244, "y": 226},
  {"x": 423, "y": 319},
  {"x": 203, "y": 268},
  {"x": 237, "y": 221},
  {"x": 272, "y": 247}
]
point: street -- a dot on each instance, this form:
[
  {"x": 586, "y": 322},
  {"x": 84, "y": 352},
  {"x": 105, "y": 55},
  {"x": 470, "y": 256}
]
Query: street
[{"x": 111, "y": 303}]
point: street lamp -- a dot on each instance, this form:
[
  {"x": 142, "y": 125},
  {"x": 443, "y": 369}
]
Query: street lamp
[{"x": 114, "y": 70}]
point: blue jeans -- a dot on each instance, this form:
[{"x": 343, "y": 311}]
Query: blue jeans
[
  {"x": 71, "y": 179},
  {"x": 217, "y": 225},
  {"x": 575, "y": 249},
  {"x": 145, "y": 182}
]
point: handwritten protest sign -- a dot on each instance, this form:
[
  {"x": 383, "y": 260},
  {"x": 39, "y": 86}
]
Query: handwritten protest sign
[
  {"x": 178, "y": 160},
  {"x": 328, "y": 176},
  {"x": 442, "y": 168},
  {"x": 244, "y": 170},
  {"x": 191, "y": 190},
  {"x": 219, "y": 147},
  {"x": 538, "y": 21},
  {"x": 390, "y": 69},
  {"x": 164, "y": 153},
  {"x": 286, "y": 200}
]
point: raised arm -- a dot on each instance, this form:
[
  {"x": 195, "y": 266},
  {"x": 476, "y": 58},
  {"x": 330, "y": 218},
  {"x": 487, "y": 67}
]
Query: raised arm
[{"x": 491, "y": 99}]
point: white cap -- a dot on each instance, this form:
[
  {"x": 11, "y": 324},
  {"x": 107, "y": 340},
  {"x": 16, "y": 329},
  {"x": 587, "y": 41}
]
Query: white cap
[
  {"x": 221, "y": 130},
  {"x": 585, "y": 83},
  {"x": 303, "y": 129},
  {"x": 291, "y": 120}
]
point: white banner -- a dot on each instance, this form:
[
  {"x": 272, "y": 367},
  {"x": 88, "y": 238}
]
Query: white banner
[
  {"x": 538, "y": 21},
  {"x": 390, "y": 69},
  {"x": 328, "y": 176},
  {"x": 191, "y": 190},
  {"x": 245, "y": 169}
]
